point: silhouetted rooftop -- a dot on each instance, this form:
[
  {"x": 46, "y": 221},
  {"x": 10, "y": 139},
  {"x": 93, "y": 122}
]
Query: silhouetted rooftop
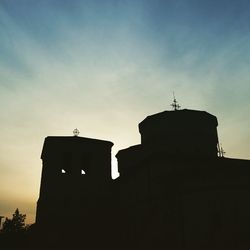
[
  {"x": 54, "y": 142},
  {"x": 79, "y": 138},
  {"x": 175, "y": 117}
]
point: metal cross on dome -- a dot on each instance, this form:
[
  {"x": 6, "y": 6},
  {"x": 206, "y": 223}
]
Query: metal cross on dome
[
  {"x": 175, "y": 104},
  {"x": 76, "y": 132}
]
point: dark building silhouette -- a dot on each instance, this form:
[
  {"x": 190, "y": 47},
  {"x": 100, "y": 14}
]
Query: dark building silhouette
[
  {"x": 75, "y": 193},
  {"x": 174, "y": 191}
]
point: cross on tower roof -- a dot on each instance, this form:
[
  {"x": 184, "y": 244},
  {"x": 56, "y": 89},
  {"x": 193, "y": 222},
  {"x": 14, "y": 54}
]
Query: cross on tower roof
[
  {"x": 76, "y": 132},
  {"x": 175, "y": 104}
]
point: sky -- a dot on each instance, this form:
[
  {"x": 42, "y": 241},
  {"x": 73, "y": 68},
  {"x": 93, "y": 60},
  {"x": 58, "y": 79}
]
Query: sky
[{"x": 103, "y": 66}]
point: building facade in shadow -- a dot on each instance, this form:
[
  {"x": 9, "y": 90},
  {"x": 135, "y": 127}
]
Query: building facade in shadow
[
  {"x": 174, "y": 191},
  {"x": 75, "y": 202}
]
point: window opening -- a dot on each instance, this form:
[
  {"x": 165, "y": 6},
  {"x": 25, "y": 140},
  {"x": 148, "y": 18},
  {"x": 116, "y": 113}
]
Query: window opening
[
  {"x": 85, "y": 164},
  {"x": 66, "y": 167}
]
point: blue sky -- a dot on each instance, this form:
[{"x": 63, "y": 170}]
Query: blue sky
[{"x": 103, "y": 66}]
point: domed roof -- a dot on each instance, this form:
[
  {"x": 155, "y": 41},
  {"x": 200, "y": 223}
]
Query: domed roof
[{"x": 184, "y": 117}]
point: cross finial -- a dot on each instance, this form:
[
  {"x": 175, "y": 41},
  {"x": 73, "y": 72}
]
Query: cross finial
[
  {"x": 175, "y": 104},
  {"x": 222, "y": 152},
  {"x": 76, "y": 132}
]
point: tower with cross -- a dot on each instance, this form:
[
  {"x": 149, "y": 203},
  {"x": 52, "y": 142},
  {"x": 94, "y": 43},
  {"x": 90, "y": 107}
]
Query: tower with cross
[{"x": 75, "y": 184}]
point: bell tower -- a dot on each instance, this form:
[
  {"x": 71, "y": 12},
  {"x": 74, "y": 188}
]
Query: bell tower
[{"x": 76, "y": 181}]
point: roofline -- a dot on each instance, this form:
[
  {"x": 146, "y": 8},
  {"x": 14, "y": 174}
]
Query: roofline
[
  {"x": 137, "y": 146},
  {"x": 78, "y": 138},
  {"x": 65, "y": 139},
  {"x": 180, "y": 110}
]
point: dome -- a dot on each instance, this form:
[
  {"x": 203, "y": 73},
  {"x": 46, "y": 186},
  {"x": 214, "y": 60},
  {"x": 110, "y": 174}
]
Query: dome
[{"x": 190, "y": 132}]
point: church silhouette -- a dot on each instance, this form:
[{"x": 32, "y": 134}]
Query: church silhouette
[{"x": 176, "y": 190}]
